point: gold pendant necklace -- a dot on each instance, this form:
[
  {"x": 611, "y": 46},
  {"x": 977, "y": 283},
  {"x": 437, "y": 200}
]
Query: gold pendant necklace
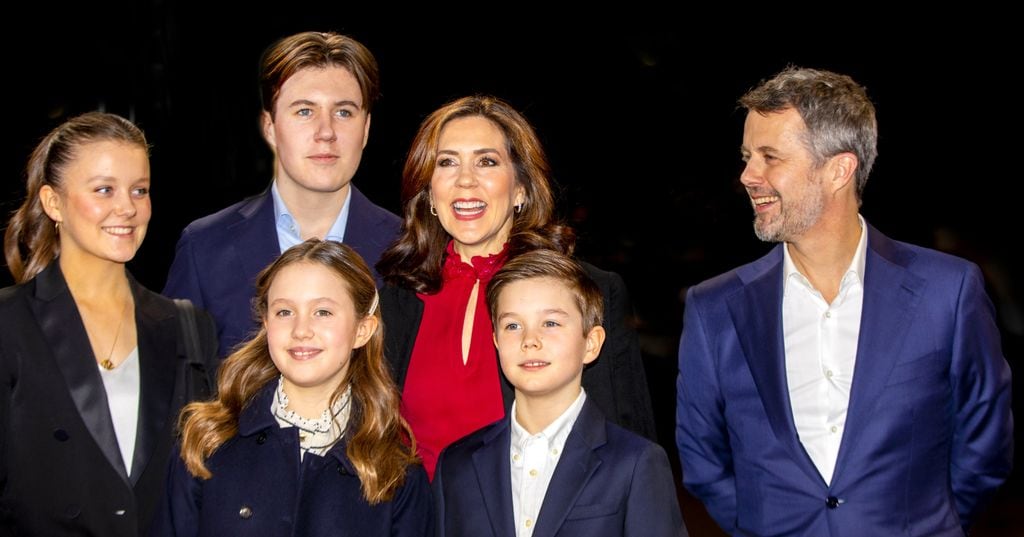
[{"x": 108, "y": 364}]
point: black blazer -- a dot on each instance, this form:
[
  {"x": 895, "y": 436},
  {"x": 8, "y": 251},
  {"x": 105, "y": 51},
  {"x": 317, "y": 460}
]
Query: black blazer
[
  {"x": 615, "y": 382},
  {"x": 61, "y": 471}
]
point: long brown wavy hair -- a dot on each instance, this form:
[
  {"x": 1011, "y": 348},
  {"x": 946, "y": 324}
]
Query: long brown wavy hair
[
  {"x": 380, "y": 443},
  {"x": 31, "y": 241},
  {"x": 414, "y": 261}
]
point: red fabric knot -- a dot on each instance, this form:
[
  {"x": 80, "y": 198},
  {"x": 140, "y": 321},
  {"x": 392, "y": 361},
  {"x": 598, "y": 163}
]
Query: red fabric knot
[{"x": 482, "y": 267}]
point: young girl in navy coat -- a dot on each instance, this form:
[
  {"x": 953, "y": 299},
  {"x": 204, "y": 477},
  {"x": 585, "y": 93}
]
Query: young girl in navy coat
[{"x": 305, "y": 437}]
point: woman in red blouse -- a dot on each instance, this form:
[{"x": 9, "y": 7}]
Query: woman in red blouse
[{"x": 476, "y": 193}]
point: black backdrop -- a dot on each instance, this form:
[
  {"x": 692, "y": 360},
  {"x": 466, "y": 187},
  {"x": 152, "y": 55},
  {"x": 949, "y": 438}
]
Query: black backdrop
[{"x": 637, "y": 113}]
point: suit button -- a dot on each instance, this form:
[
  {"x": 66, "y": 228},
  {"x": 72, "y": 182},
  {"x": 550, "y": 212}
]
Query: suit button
[
  {"x": 832, "y": 502},
  {"x": 61, "y": 435},
  {"x": 261, "y": 438},
  {"x": 120, "y": 512},
  {"x": 245, "y": 512}
]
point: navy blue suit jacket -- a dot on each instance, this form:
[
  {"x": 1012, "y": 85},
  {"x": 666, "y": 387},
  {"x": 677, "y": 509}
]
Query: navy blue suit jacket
[
  {"x": 259, "y": 471},
  {"x": 218, "y": 257},
  {"x": 608, "y": 482},
  {"x": 928, "y": 433}
]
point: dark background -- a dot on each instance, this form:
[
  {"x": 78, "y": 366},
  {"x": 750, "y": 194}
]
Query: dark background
[{"x": 637, "y": 112}]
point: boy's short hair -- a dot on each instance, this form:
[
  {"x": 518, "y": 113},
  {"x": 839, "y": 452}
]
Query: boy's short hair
[{"x": 557, "y": 266}]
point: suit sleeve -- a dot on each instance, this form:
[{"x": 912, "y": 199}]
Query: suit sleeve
[
  {"x": 652, "y": 509},
  {"x": 412, "y": 509},
  {"x": 177, "y": 515},
  {"x": 183, "y": 278},
  {"x": 622, "y": 350},
  {"x": 701, "y": 430},
  {"x": 982, "y": 451}
]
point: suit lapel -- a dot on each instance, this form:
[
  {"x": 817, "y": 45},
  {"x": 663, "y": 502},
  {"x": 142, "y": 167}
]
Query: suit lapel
[
  {"x": 361, "y": 228},
  {"x": 158, "y": 361},
  {"x": 58, "y": 317},
  {"x": 575, "y": 468},
  {"x": 491, "y": 462},
  {"x": 891, "y": 297},
  {"x": 257, "y": 244},
  {"x": 756, "y": 311}
]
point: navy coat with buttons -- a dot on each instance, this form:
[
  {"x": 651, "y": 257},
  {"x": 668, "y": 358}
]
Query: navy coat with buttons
[{"x": 259, "y": 487}]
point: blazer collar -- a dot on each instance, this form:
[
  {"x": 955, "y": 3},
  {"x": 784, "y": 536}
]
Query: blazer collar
[
  {"x": 489, "y": 460},
  {"x": 892, "y": 295},
  {"x": 62, "y": 325},
  {"x": 256, "y": 244},
  {"x": 576, "y": 466},
  {"x": 256, "y": 415},
  {"x": 162, "y": 355},
  {"x": 756, "y": 311},
  {"x": 363, "y": 227}
]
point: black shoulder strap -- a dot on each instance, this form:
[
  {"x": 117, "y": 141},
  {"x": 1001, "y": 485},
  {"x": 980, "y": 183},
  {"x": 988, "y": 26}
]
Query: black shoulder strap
[{"x": 198, "y": 384}]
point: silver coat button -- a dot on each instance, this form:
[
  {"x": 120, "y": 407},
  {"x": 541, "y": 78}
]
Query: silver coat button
[{"x": 245, "y": 512}]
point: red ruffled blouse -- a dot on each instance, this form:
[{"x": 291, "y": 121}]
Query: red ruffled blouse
[{"x": 445, "y": 399}]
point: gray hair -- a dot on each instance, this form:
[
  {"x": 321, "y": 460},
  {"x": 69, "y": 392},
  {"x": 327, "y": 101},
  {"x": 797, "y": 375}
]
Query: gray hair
[{"x": 839, "y": 116}]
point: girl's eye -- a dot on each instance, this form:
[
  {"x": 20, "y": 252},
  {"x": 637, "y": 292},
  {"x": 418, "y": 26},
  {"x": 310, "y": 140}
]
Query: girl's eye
[
  {"x": 283, "y": 313},
  {"x": 551, "y": 324},
  {"x": 141, "y": 192},
  {"x": 322, "y": 313},
  {"x": 511, "y": 326},
  {"x": 104, "y": 190}
]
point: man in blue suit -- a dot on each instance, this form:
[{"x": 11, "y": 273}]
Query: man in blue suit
[
  {"x": 555, "y": 466},
  {"x": 317, "y": 90},
  {"x": 845, "y": 383}
]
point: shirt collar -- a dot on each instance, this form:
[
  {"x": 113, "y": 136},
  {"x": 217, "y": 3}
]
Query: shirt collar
[
  {"x": 855, "y": 270},
  {"x": 286, "y": 222},
  {"x": 556, "y": 433}
]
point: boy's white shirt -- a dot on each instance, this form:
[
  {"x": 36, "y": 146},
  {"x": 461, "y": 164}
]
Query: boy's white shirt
[{"x": 534, "y": 458}]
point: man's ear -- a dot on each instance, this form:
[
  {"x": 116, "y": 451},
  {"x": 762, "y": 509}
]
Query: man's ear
[
  {"x": 267, "y": 127},
  {"x": 366, "y": 131},
  {"x": 595, "y": 339},
  {"x": 842, "y": 171}
]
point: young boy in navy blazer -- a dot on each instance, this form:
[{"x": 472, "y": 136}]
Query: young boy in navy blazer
[{"x": 554, "y": 466}]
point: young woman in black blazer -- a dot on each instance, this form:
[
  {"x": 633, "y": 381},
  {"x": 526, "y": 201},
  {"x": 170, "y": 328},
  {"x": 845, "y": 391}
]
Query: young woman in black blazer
[{"x": 93, "y": 370}]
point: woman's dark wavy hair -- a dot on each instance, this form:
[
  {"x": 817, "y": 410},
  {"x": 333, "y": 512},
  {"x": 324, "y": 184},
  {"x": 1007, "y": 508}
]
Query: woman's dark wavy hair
[{"x": 414, "y": 261}]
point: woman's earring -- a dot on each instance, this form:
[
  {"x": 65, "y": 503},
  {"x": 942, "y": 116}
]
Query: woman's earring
[
  {"x": 519, "y": 208},
  {"x": 56, "y": 227},
  {"x": 432, "y": 210}
]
